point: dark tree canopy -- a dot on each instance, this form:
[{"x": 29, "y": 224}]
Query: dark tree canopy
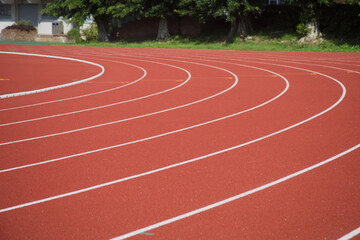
[
  {"x": 234, "y": 11},
  {"x": 77, "y": 11}
]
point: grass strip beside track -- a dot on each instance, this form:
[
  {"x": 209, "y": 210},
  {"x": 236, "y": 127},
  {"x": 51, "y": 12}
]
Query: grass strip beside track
[{"x": 288, "y": 42}]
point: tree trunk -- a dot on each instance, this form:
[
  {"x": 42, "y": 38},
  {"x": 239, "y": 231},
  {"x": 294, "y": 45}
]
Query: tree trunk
[
  {"x": 163, "y": 31},
  {"x": 103, "y": 29},
  {"x": 313, "y": 35},
  {"x": 241, "y": 27},
  {"x": 233, "y": 28},
  {"x": 313, "y": 30},
  {"x": 244, "y": 27}
]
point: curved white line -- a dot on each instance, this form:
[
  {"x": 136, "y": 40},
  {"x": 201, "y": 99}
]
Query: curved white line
[
  {"x": 112, "y": 104},
  {"x": 288, "y": 61},
  {"x": 173, "y": 165},
  {"x": 236, "y": 197},
  {"x": 201, "y": 124},
  {"x": 241, "y": 58},
  {"x": 85, "y": 95},
  {"x": 153, "y": 113},
  {"x": 52, "y": 87},
  {"x": 143, "y": 139}
]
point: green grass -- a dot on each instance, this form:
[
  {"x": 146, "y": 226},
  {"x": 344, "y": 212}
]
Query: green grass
[{"x": 266, "y": 41}]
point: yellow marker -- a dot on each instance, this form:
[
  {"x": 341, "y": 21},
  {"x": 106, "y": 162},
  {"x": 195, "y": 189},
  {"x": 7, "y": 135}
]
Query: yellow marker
[
  {"x": 349, "y": 71},
  {"x": 313, "y": 73},
  {"x": 273, "y": 75},
  {"x": 4, "y": 79},
  {"x": 229, "y": 78}
]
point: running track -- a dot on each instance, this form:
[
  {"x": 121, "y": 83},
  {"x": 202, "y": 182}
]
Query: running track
[{"x": 178, "y": 144}]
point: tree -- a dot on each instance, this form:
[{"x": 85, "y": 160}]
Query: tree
[
  {"x": 77, "y": 11},
  {"x": 200, "y": 9},
  {"x": 309, "y": 19},
  {"x": 234, "y": 11},
  {"x": 237, "y": 13},
  {"x": 161, "y": 9}
]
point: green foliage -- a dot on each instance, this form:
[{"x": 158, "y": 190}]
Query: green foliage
[
  {"x": 302, "y": 29},
  {"x": 91, "y": 32},
  {"x": 127, "y": 8},
  {"x": 311, "y": 9},
  {"x": 74, "y": 34},
  {"x": 77, "y": 11},
  {"x": 23, "y": 23},
  {"x": 230, "y": 10},
  {"x": 199, "y": 9},
  {"x": 160, "y": 8},
  {"x": 281, "y": 42}
]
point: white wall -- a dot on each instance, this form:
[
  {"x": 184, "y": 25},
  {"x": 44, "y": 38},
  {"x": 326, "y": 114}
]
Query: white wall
[
  {"x": 44, "y": 26},
  {"x": 67, "y": 27}
]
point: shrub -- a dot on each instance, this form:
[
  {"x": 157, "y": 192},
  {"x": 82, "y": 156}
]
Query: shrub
[
  {"x": 91, "y": 33},
  {"x": 22, "y": 25},
  {"x": 74, "y": 34}
]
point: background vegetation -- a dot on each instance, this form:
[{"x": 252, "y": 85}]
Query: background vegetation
[{"x": 317, "y": 24}]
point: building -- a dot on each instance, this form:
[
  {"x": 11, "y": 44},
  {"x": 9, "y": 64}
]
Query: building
[{"x": 12, "y": 11}]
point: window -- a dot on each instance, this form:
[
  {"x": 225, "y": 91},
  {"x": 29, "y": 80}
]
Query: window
[{"x": 5, "y": 11}]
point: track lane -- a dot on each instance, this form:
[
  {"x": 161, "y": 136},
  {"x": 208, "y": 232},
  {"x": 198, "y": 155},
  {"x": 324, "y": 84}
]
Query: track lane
[
  {"x": 312, "y": 206},
  {"x": 122, "y": 79},
  {"x": 28, "y": 80},
  {"x": 335, "y": 146},
  {"x": 244, "y": 126},
  {"x": 139, "y": 91}
]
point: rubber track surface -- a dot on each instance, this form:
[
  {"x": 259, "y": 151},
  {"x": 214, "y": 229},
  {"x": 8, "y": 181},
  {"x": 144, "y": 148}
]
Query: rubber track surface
[{"x": 179, "y": 144}]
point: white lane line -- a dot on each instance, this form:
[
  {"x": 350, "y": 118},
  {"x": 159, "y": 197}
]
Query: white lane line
[
  {"x": 148, "y": 138},
  {"x": 241, "y": 195},
  {"x": 208, "y": 58},
  {"x": 187, "y": 128},
  {"x": 351, "y": 234},
  {"x": 57, "y": 86},
  {"x": 153, "y": 113},
  {"x": 167, "y": 133},
  {"x": 85, "y": 95},
  {"x": 295, "y": 62},
  {"x": 112, "y": 104},
  {"x": 180, "y": 163}
]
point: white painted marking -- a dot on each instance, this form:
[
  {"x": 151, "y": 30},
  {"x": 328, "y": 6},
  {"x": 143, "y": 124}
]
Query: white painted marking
[
  {"x": 57, "y": 86},
  {"x": 183, "y": 129},
  {"x": 108, "y": 105},
  {"x": 288, "y": 61},
  {"x": 166, "y": 110},
  {"x": 173, "y": 165},
  {"x": 265, "y": 59},
  {"x": 351, "y": 234},
  {"x": 85, "y": 95},
  {"x": 164, "y": 134},
  {"x": 241, "y": 195}
]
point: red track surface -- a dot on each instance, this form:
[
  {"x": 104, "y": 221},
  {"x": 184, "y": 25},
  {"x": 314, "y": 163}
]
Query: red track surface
[{"x": 163, "y": 133}]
